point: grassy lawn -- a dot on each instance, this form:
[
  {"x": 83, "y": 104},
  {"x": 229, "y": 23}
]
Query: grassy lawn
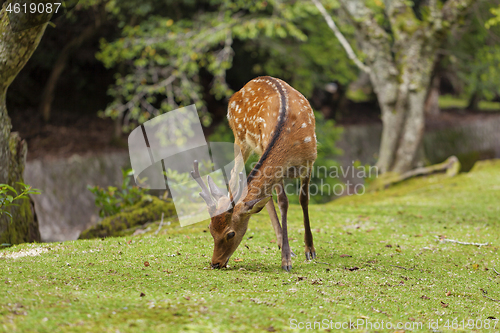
[
  {"x": 378, "y": 261},
  {"x": 448, "y": 101}
]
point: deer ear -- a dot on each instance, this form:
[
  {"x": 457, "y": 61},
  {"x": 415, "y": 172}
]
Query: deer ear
[{"x": 255, "y": 206}]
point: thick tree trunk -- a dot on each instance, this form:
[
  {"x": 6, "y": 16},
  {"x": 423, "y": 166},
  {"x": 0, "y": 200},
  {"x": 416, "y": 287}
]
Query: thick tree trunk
[
  {"x": 403, "y": 129},
  {"x": 19, "y": 37},
  {"x": 400, "y": 68}
]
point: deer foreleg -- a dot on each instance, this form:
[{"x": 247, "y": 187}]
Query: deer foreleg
[{"x": 286, "y": 253}]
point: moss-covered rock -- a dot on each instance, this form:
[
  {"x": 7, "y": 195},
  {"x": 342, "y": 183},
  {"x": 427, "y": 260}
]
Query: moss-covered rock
[
  {"x": 487, "y": 164},
  {"x": 149, "y": 209}
]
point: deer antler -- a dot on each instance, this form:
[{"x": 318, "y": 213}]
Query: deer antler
[
  {"x": 205, "y": 194},
  {"x": 214, "y": 190},
  {"x": 238, "y": 194}
]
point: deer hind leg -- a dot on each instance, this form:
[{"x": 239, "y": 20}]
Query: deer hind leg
[
  {"x": 286, "y": 253},
  {"x": 304, "y": 202}
]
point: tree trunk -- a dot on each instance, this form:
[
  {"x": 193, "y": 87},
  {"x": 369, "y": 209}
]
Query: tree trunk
[
  {"x": 60, "y": 64},
  {"x": 401, "y": 63},
  {"x": 19, "y": 37},
  {"x": 474, "y": 101},
  {"x": 24, "y": 226},
  {"x": 432, "y": 102}
]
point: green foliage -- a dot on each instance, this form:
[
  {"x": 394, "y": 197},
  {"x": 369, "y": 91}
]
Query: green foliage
[
  {"x": 309, "y": 64},
  {"x": 474, "y": 56},
  {"x": 484, "y": 72},
  {"x": 8, "y": 196},
  {"x": 163, "y": 57},
  {"x": 113, "y": 200},
  {"x": 495, "y": 20}
]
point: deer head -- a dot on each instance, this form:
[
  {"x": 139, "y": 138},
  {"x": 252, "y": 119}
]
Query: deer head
[{"x": 229, "y": 216}]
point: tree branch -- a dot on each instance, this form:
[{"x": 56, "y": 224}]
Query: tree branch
[
  {"x": 453, "y": 9},
  {"x": 343, "y": 41}
]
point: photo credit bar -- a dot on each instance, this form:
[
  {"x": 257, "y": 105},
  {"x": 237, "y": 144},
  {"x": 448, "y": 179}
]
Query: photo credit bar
[{"x": 362, "y": 323}]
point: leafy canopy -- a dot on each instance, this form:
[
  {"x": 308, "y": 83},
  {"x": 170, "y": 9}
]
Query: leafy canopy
[{"x": 165, "y": 53}]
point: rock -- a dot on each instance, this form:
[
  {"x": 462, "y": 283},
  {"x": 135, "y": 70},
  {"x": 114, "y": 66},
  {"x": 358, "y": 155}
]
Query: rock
[{"x": 149, "y": 209}]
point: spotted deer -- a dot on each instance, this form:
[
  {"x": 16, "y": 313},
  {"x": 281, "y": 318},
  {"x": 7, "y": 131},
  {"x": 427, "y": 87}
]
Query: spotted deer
[{"x": 274, "y": 120}]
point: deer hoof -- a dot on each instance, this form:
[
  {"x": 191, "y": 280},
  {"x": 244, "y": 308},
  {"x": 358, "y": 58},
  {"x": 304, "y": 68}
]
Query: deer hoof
[
  {"x": 286, "y": 263},
  {"x": 310, "y": 254}
]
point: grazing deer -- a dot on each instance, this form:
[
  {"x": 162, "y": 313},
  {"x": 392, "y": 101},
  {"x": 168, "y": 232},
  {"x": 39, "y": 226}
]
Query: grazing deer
[{"x": 274, "y": 120}]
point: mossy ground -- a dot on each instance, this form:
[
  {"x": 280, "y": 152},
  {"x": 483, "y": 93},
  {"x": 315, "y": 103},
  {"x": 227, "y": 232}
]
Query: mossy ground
[{"x": 378, "y": 260}]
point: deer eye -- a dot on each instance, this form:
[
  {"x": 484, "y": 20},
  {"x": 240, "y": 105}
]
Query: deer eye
[{"x": 230, "y": 235}]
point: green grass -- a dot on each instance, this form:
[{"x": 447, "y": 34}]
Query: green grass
[
  {"x": 378, "y": 260},
  {"x": 451, "y": 102}
]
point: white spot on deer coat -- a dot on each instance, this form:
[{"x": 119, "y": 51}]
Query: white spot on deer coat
[
  {"x": 307, "y": 139},
  {"x": 304, "y": 125}
]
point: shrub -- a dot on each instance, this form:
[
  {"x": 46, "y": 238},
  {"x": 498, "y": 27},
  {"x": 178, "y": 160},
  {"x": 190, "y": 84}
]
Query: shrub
[
  {"x": 113, "y": 200},
  {"x": 8, "y": 195}
]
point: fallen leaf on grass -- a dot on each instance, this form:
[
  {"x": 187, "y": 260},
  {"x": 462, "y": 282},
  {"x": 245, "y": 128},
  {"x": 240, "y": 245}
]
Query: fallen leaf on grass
[
  {"x": 345, "y": 256},
  {"x": 444, "y": 305},
  {"x": 146, "y": 264},
  {"x": 425, "y": 297},
  {"x": 355, "y": 268},
  {"x": 238, "y": 259},
  {"x": 448, "y": 293},
  {"x": 142, "y": 295}
]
